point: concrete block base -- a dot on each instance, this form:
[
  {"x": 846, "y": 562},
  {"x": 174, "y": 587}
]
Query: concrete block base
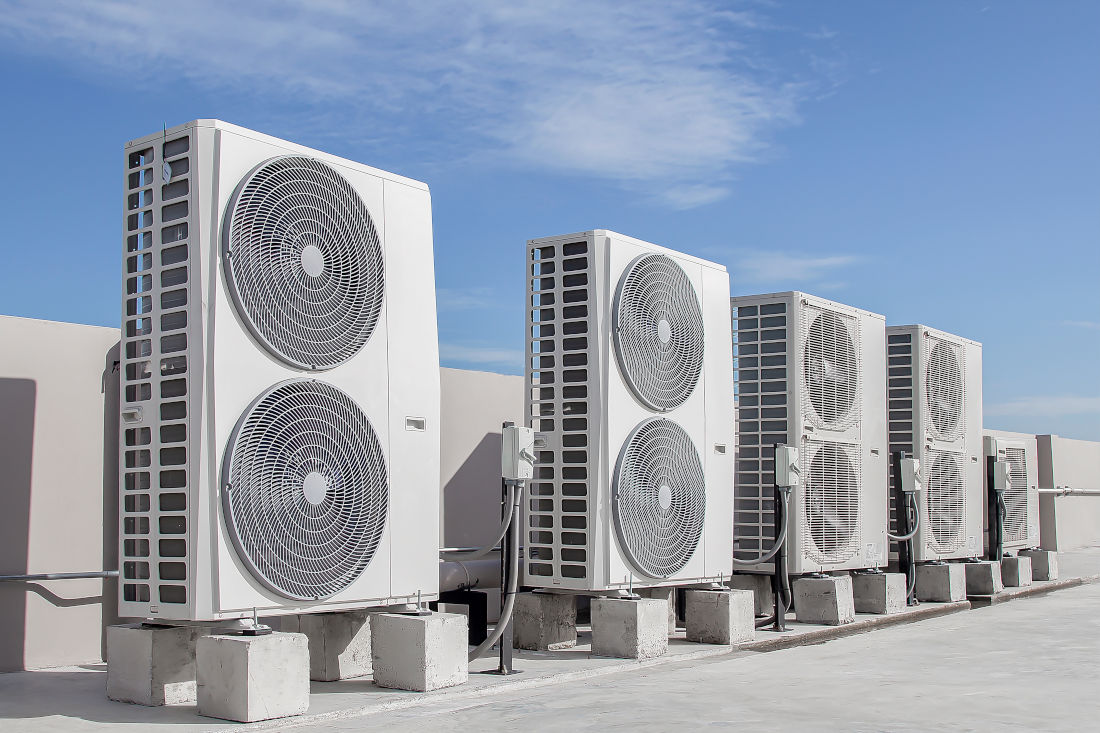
[
  {"x": 720, "y": 616},
  {"x": 879, "y": 592},
  {"x": 1016, "y": 571},
  {"x": 941, "y": 583},
  {"x": 151, "y": 665},
  {"x": 544, "y": 621},
  {"x": 761, "y": 587},
  {"x": 983, "y": 578},
  {"x": 339, "y": 643},
  {"x": 668, "y": 595},
  {"x": 419, "y": 653},
  {"x": 250, "y": 678},
  {"x": 828, "y": 600},
  {"x": 629, "y": 629},
  {"x": 1044, "y": 564}
]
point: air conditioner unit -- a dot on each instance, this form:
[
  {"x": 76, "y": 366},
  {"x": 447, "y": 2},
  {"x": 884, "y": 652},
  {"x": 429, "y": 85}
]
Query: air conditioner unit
[
  {"x": 811, "y": 373},
  {"x": 629, "y": 383},
  {"x": 1021, "y": 522},
  {"x": 935, "y": 414},
  {"x": 271, "y": 458}
]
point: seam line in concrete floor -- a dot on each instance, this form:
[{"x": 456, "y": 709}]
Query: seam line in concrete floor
[{"x": 816, "y": 636}]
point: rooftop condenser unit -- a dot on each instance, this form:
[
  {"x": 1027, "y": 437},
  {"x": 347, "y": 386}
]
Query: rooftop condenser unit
[
  {"x": 811, "y": 373},
  {"x": 1021, "y": 496},
  {"x": 271, "y": 460},
  {"x": 629, "y": 383},
  {"x": 935, "y": 412}
]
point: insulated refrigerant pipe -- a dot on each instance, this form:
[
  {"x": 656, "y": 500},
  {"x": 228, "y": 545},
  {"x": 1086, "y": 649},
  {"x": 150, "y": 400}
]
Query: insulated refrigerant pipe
[
  {"x": 467, "y": 574},
  {"x": 910, "y": 503},
  {"x": 511, "y": 500}
]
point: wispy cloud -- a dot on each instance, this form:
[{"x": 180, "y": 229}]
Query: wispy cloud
[
  {"x": 760, "y": 267},
  {"x": 1045, "y": 406},
  {"x": 481, "y": 355},
  {"x": 665, "y": 98},
  {"x": 1093, "y": 325},
  {"x": 470, "y": 299}
]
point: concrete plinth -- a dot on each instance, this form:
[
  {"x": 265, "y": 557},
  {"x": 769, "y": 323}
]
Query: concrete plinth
[
  {"x": 1044, "y": 564},
  {"x": 544, "y": 621},
  {"x": 151, "y": 665},
  {"x": 250, "y": 678},
  {"x": 629, "y": 629},
  {"x": 941, "y": 583},
  {"x": 668, "y": 595},
  {"x": 828, "y": 600},
  {"x": 1016, "y": 571},
  {"x": 879, "y": 592},
  {"x": 761, "y": 587},
  {"x": 419, "y": 653},
  {"x": 339, "y": 643},
  {"x": 983, "y": 578},
  {"x": 719, "y": 616}
]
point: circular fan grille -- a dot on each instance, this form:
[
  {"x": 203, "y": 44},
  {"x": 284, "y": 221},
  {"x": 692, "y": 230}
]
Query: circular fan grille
[
  {"x": 303, "y": 262},
  {"x": 943, "y": 386},
  {"x": 831, "y": 370},
  {"x": 658, "y": 332},
  {"x": 659, "y": 498},
  {"x": 305, "y": 489},
  {"x": 832, "y": 504},
  {"x": 946, "y": 505}
]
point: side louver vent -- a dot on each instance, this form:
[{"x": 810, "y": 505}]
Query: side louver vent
[
  {"x": 659, "y": 498},
  {"x": 303, "y": 262},
  {"x": 305, "y": 489}
]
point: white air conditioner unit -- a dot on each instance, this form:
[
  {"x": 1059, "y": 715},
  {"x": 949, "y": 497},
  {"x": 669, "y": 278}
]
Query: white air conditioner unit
[
  {"x": 1021, "y": 522},
  {"x": 271, "y": 458},
  {"x": 935, "y": 414},
  {"x": 629, "y": 383},
  {"x": 811, "y": 373}
]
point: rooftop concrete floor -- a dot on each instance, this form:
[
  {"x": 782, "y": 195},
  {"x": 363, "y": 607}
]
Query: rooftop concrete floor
[{"x": 1031, "y": 663}]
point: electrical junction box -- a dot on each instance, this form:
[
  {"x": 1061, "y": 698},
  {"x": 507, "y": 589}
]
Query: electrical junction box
[
  {"x": 787, "y": 472},
  {"x": 910, "y": 475},
  {"x": 1000, "y": 475},
  {"x": 517, "y": 453}
]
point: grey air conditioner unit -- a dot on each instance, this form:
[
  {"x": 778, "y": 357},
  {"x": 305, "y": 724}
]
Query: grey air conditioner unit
[
  {"x": 935, "y": 412},
  {"x": 1021, "y": 497},
  {"x": 629, "y": 382},
  {"x": 811, "y": 373},
  {"x": 280, "y": 380}
]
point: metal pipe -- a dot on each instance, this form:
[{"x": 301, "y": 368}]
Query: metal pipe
[
  {"x": 58, "y": 576},
  {"x": 465, "y": 574},
  {"x": 1067, "y": 491}
]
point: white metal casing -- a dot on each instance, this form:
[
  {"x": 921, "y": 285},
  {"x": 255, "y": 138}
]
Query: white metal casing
[
  {"x": 1022, "y": 494},
  {"x": 569, "y": 534},
  {"x": 951, "y": 514},
  {"x": 393, "y": 378},
  {"x": 775, "y": 406}
]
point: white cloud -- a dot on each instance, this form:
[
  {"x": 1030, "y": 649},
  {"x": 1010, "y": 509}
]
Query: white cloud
[
  {"x": 664, "y": 98},
  {"x": 790, "y": 267},
  {"x": 468, "y": 298},
  {"x": 1093, "y": 325},
  {"x": 1045, "y": 406},
  {"x": 482, "y": 355}
]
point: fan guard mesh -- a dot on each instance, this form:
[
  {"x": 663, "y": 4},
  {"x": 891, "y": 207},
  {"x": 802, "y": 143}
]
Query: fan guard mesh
[
  {"x": 943, "y": 389},
  {"x": 305, "y": 490},
  {"x": 303, "y": 262},
  {"x": 658, "y": 332},
  {"x": 946, "y": 505},
  {"x": 831, "y": 503},
  {"x": 659, "y": 498},
  {"x": 1016, "y": 496},
  {"x": 830, "y": 367}
]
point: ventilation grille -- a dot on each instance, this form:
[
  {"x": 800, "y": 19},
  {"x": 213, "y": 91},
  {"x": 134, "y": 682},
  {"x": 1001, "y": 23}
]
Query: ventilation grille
[
  {"x": 303, "y": 262},
  {"x": 831, "y": 507},
  {"x": 899, "y": 375},
  {"x": 943, "y": 388},
  {"x": 945, "y": 503},
  {"x": 658, "y": 332},
  {"x": 830, "y": 368},
  {"x": 557, "y": 379},
  {"x": 659, "y": 498},
  {"x": 155, "y": 377},
  {"x": 1016, "y": 496},
  {"x": 305, "y": 493},
  {"x": 760, "y": 383}
]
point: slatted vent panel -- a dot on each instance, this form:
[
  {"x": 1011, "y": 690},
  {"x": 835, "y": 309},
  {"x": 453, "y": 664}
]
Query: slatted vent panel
[
  {"x": 761, "y": 334},
  {"x": 558, "y": 374},
  {"x": 830, "y": 513},
  {"x": 830, "y": 368},
  {"x": 1016, "y": 496},
  {"x": 899, "y": 375},
  {"x": 943, "y": 389},
  {"x": 945, "y": 499},
  {"x": 155, "y": 373}
]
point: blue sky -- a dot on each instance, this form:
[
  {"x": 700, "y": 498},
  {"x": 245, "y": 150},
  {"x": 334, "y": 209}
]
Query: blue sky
[{"x": 937, "y": 162}]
